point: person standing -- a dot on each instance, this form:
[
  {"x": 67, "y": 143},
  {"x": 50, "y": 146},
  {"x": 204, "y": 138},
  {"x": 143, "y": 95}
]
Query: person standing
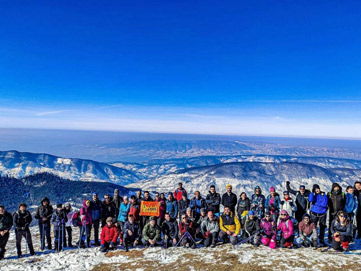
[
  {"x": 213, "y": 201},
  {"x": 6, "y": 222},
  {"x": 68, "y": 226},
  {"x": 179, "y": 192},
  {"x": 171, "y": 206},
  {"x": 244, "y": 204},
  {"x": 86, "y": 222},
  {"x": 229, "y": 198},
  {"x": 22, "y": 219},
  {"x": 318, "y": 212},
  {"x": 302, "y": 203},
  {"x": 108, "y": 210},
  {"x": 59, "y": 219},
  {"x": 117, "y": 200},
  {"x": 96, "y": 208},
  {"x": 183, "y": 204},
  {"x": 336, "y": 203},
  {"x": 44, "y": 214},
  {"x": 272, "y": 204},
  {"x": 197, "y": 203},
  {"x": 357, "y": 193},
  {"x": 258, "y": 202}
]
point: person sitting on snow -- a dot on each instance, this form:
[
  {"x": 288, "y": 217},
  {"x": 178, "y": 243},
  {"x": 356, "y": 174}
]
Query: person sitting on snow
[
  {"x": 230, "y": 226},
  {"x": 109, "y": 235},
  {"x": 286, "y": 227},
  {"x": 307, "y": 232},
  {"x": 251, "y": 228},
  {"x": 341, "y": 230},
  {"x": 269, "y": 230}
]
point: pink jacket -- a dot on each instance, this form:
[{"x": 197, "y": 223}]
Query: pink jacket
[
  {"x": 286, "y": 225},
  {"x": 85, "y": 214}
]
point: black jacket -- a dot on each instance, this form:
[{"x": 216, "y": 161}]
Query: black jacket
[
  {"x": 22, "y": 220},
  {"x": 44, "y": 212},
  {"x": 251, "y": 226},
  {"x": 336, "y": 201},
  {"x": 108, "y": 211},
  {"x": 183, "y": 205},
  {"x": 302, "y": 202},
  {"x": 213, "y": 201},
  {"x": 170, "y": 228},
  {"x": 229, "y": 200},
  {"x": 6, "y": 221}
]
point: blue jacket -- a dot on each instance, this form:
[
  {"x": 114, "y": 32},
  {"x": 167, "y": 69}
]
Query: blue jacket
[
  {"x": 319, "y": 202},
  {"x": 198, "y": 204},
  {"x": 276, "y": 203},
  {"x": 172, "y": 208},
  {"x": 96, "y": 208},
  {"x": 351, "y": 203},
  {"x": 123, "y": 212}
]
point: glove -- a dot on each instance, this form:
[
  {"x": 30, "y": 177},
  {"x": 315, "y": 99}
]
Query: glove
[
  {"x": 62, "y": 221},
  {"x": 112, "y": 244},
  {"x": 288, "y": 182},
  {"x": 206, "y": 234}
]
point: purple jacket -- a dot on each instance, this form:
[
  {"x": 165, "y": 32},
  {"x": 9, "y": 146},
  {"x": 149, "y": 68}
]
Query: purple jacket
[
  {"x": 85, "y": 214},
  {"x": 268, "y": 227}
]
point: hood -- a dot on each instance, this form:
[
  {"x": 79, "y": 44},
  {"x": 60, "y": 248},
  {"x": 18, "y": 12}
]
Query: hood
[
  {"x": 84, "y": 204},
  {"x": 335, "y": 185},
  {"x": 286, "y": 213},
  {"x": 45, "y": 199},
  {"x": 257, "y": 187}
]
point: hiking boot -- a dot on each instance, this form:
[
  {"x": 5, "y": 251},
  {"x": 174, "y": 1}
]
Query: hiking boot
[
  {"x": 213, "y": 245},
  {"x": 126, "y": 249}
]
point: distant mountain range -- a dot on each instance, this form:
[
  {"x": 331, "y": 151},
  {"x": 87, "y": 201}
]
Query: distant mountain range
[
  {"x": 244, "y": 172},
  {"x": 244, "y": 176},
  {"x": 32, "y": 189},
  {"x": 19, "y": 164}
]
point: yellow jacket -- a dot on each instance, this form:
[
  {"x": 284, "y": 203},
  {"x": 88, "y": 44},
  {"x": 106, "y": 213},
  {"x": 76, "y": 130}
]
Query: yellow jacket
[{"x": 233, "y": 225}]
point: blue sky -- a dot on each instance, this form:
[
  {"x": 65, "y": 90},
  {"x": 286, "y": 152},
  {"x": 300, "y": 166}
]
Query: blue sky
[{"x": 231, "y": 67}]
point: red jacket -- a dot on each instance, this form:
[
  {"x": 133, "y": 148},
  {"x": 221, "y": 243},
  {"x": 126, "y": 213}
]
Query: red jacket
[
  {"x": 109, "y": 234},
  {"x": 183, "y": 228},
  {"x": 134, "y": 210},
  {"x": 178, "y": 194}
]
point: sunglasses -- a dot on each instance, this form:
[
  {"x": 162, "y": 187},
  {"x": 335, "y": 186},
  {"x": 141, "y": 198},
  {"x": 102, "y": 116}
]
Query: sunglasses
[
  {"x": 283, "y": 215},
  {"x": 342, "y": 216}
]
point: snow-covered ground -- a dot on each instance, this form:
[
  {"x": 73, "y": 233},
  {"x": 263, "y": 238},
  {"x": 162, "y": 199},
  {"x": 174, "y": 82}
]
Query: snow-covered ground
[{"x": 224, "y": 257}]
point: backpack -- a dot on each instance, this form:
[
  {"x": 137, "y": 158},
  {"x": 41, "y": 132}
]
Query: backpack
[{"x": 76, "y": 221}]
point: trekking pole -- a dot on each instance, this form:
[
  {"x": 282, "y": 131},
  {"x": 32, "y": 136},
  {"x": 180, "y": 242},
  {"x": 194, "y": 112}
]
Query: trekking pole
[
  {"x": 181, "y": 239},
  {"x": 62, "y": 235},
  {"x": 26, "y": 239},
  {"x": 190, "y": 236},
  {"x": 43, "y": 238},
  {"x": 80, "y": 236},
  {"x": 59, "y": 232}
]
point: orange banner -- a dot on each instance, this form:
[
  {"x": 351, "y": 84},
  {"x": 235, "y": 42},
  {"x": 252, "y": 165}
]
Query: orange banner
[{"x": 149, "y": 208}]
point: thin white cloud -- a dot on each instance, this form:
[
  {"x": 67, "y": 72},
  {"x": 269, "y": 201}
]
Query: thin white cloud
[
  {"x": 310, "y": 101},
  {"x": 46, "y": 113}
]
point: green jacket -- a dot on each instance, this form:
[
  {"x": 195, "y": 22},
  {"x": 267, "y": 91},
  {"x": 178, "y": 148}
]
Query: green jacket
[{"x": 152, "y": 233}]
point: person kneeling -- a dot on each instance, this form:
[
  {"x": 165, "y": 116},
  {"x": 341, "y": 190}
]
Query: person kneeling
[
  {"x": 229, "y": 225},
  {"x": 151, "y": 233},
  {"x": 307, "y": 232},
  {"x": 108, "y": 235},
  {"x": 210, "y": 229},
  {"x": 170, "y": 231},
  {"x": 187, "y": 230},
  {"x": 251, "y": 229},
  {"x": 286, "y": 227},
  {"x": 131, "y": 231},
  {"x": 341, "y": 230},
  {"x": 269, "y": 231}
]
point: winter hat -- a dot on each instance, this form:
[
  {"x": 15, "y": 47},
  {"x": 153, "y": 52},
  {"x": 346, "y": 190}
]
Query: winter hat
[
  {"x": 306, "y": 215},
  {"x": 95, "y": 194},
  {"x": 67, "y": 204},
  {"x": 228, "y": 185},
  {"x": 302, "y": 187},
  {"x": 203, "y": 210},
  {"x": 286, "y": 192},
  {"x": 87, "y": 201},
  {"x": 59, "y": 205},
  {"x": 125, "y": 198},
  {"x": 272, "y": 189},
  {"x": 251, "y": 212},
  {"x": 348, "y": 187},
  {"x": 284, "y": 212},
  {"x": 316, "y": 186},
  {"x": 109, "y": 219},
  {"x": 152, "y": 218},
  {"x": 170, "y": 194},
  {"x": 267, "y": 213}
]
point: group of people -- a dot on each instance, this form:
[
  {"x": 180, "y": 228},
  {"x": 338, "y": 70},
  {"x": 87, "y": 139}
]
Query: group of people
[{"x": 275, "y": 220}]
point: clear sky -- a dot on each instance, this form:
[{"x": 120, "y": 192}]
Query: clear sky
[{"x": 217, "y": 67}]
